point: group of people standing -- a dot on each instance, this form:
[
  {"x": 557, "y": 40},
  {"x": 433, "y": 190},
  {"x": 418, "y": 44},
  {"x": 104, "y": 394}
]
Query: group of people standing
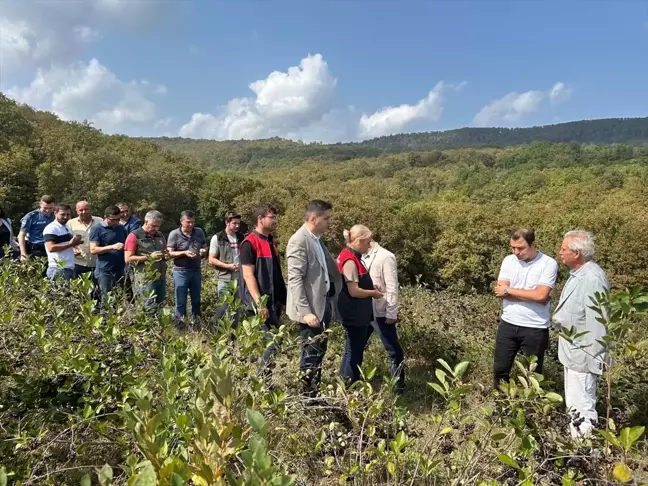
[{"x": 359, "y": 288}]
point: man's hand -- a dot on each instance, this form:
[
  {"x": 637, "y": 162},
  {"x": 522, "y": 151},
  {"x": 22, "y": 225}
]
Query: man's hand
[
  {"x": 76, "y": 240},
  {"x": 118, "y": 246},
  {"x": 499, "y": 291},
  {"x": 377, "y": 295},
  {"x": 233, "y": 267},
  {"x": 24, "y": 258},
  {"x": 190, "y": 254},
  {"x": 77, "y": 251},
  {"x": 157, "y": 255},
  {"x": 263, "y": 312},
  {"x": 203, "y": 252},
  {"x": 391, "y": 321},
  {"x": 312, "y": 320},
  {"x": 167, "y": 254}
]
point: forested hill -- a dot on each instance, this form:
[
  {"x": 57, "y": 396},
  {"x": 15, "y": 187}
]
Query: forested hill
[{"x": 276, "y": 151}]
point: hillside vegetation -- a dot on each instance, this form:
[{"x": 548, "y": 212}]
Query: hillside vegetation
[
  {"x": 276, "y": 152},
  {"x": 446, "y": 214},
  {"x": 118, "y": 397}
]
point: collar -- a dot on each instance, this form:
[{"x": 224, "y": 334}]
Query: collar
[
  {"x": 579, "y": 272},
  {"x": 92, "y": 220},
  {"x": 262, "y": 236},
  {"x": 313, "y": 235},
  {"x": 185, "y": 234}
]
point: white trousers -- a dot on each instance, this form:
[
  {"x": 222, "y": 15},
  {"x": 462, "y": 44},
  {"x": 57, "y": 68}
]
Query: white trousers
[{"x": 580, "y": 399}]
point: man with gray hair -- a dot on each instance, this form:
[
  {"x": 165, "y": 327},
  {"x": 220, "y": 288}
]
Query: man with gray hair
[
  {"x": 143, "y": 245},
  {"x": 584, "y": 356}
]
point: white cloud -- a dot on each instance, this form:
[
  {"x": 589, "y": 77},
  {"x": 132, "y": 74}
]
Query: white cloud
[
  {"x": 35, "y": 34},
  {"x": 514, "y": 106},
  {"x": 91, "y": 92},
  {"x": 392, "y": 119},
  {"x": 284, "y": 102},
  {"x": 559, "y": 92}
]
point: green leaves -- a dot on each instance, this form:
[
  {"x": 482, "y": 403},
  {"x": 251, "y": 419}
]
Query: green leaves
[
  {"x": 622, "y": 473},
  {"x": 509, "y": 461},
  {"x": 257, "y": 422}
]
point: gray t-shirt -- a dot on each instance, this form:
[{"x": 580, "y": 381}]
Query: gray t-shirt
[{"x": 178, "y": 241}]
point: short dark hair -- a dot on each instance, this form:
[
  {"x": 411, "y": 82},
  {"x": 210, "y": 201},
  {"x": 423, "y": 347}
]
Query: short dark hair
[
  {"x": 317, "y": 207},
  {"x": 121, "y": 204},
  {"x": 112, "y": 211},
  {"x": 187, "y": 213},
  {"x": 528, "y": 234},
  {"x": 63, "y": 207},
  {"x": 47, "y": 199},
  {"x": 262, "y": 210},
  {"x": 232, "y": 215}
]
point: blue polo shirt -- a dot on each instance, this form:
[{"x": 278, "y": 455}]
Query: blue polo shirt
[
  {"x": 131, "y": 225},
  {"x": 103, "y": 235},
  {"x": 33, "y": 224}
]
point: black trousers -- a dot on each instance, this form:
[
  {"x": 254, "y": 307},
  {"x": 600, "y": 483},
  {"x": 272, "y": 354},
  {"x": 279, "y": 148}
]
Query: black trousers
[
  {"x": 314, "y": 344},
  {"x": 510, "y": 340},
  {"x": 37, "y": 250}
]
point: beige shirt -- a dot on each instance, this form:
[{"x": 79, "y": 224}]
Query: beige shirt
[{"x": 78, "y": 227}]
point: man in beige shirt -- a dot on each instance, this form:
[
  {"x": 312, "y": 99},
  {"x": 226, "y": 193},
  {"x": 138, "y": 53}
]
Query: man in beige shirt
[
  {"x": 383, "y": 270},
  {"x": 84, "y": 261}
]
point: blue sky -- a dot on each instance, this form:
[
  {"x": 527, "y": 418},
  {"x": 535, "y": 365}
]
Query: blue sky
[{"x": 375, "y": 67}]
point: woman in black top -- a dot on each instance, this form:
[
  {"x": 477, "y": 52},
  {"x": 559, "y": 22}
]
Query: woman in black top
[{"x": 354, "y": 301}]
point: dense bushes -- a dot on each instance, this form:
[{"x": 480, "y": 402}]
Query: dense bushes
[{"x": 120, "y": 398}]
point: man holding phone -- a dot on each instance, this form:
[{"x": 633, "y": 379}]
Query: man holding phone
[
  {"x": 60, "y": 244},
  {"x": 187, "y": 246},
  {"x": 143, "y": 245},
  {"x": 224, "y": 257}
]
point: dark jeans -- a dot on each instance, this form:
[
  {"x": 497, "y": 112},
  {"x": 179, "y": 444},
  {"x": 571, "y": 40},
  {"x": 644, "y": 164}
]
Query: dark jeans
[
  {"x": 82, "y": 270},
  {"x": 108, "y": 281},
  {"x": 389, "y": 338},
  {"x": 356, "y": 339},
  {"x": 187, "y": 282},
  {"x": 266, "y": 363},
  {"x": 314, "y": 344},
  {"x": 511, "y": 339}
]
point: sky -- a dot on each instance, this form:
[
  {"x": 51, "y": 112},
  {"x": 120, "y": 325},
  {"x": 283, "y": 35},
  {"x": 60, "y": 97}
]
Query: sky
[{"x": 329, "y": 71}]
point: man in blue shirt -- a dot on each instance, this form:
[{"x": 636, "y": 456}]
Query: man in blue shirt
[
  {"x": 130, "y": 224},
  {"x": 107, "y": 242},
  {"x": 32, "y": 226}
]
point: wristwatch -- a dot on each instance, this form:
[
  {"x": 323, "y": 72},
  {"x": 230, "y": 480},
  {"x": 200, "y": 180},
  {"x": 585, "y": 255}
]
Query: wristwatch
[{"x": 506, "y": 290}]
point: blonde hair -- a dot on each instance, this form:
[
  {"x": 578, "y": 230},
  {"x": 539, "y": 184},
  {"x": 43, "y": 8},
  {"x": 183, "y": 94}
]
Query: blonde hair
[{"x": 357, "y": 232}]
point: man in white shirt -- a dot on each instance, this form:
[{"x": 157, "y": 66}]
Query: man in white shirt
[
  {"x": 60, "y": 244},
  {"x": 524, "y": 284}
]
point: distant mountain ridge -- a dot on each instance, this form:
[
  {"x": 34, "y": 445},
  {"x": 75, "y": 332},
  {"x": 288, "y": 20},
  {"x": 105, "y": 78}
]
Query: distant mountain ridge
[{"x": 256, "y": 153}]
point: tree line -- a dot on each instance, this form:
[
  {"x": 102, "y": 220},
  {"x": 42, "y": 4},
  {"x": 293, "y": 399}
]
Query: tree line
[{"x": 446, "y": 214}]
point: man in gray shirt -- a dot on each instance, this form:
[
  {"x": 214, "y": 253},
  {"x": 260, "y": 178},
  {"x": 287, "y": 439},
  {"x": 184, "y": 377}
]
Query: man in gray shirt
[
  {"x": 584, "y": 357},
  {"x": 187, "y": 245}
]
